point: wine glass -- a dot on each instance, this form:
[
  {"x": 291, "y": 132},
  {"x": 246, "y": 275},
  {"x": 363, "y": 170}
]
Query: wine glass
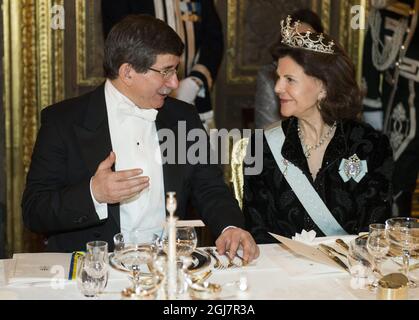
[
  {"x": 186, "y": 241},
  {"x": 359, "y": 261},
  {"x": 135, "y": 251},
  {"x": 403, "y": 234},
  {"x": 377, "y": 246},
  {"x": 92, "y": 272}
]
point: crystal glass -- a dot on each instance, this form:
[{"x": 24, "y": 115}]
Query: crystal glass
[
  {"x": 186, "y": 241},
  {"x": 377, "y": 246},
  {"x": 403, "y": 234},
  {"x": 92, "y": 269},
  {"x": 136, "y": 252},
  {"x": 135, "y": 238},
  {"x": 360, "y": 264}
]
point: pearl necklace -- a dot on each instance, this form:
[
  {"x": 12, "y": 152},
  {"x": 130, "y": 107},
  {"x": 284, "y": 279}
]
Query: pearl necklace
[{"x": 306, "y": 147}]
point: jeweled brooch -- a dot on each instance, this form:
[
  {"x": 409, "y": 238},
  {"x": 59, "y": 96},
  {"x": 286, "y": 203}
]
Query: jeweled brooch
[{"x": 353, "y": 168}]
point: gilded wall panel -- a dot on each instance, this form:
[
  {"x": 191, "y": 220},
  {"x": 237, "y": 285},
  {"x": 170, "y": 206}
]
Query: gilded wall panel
[
  {"x": 29, "y": 69},
  {"x": 252, "y": 27},
  {"x": 89, "y": 38},
  {"x": 351, "y": 31}
]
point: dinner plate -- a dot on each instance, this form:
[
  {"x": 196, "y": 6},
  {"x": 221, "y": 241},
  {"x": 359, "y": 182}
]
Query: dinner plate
[{"x": 200, "y": 261}]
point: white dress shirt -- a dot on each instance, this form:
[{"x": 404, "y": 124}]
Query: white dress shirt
[{"x": 136, "y": 145}]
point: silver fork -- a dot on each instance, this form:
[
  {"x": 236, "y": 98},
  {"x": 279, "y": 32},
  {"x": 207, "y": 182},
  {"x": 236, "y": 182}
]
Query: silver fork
[
  {"x": 218, "y": 265},
  {"x": 231, "y": 264}
]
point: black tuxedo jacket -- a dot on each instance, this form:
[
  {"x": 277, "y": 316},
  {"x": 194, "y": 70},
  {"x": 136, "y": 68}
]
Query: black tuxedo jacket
[{"x": 73, "y": 139}]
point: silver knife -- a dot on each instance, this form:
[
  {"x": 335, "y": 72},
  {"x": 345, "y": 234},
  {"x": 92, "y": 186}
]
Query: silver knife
[
  {"x": 342, "y": 244},
  {"x": 335, "y": 259},
  {"x": 332, "y": 250}
]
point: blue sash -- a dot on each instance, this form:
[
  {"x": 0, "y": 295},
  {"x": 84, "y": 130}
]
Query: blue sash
[{"x": 299, "y": 183}]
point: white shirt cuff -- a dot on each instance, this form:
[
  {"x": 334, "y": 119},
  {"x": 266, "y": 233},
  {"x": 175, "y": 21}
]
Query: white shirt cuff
[
  {"x": 229, "y": 227},
  {"x": 101, "y": 208},
  {"x": 187, "y": 91}
]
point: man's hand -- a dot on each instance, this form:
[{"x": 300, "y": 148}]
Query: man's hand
[
  {"x": 113, "y": 187},
  {"x": 232, "y": 238}
]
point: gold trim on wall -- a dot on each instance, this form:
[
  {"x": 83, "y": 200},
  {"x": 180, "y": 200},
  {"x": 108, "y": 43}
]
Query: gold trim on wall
[
  {"x": 12, "y": 98},
  {"x": 325, "y": 15},
  {"x": 82, "y": 78},
  {"x": 44, "y": 52},
  {"x": 58, "y": 50},
  {"x": 234, "y": 8},
  {"x": 7, "y": 92},
  {"x": 352, "y": 39},
  {"x": 28, "y": 66}
]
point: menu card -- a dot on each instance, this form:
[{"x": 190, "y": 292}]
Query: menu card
[{"x": 309, "y": 251}]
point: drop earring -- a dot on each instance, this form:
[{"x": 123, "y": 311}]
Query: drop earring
[{"x": 319, "y": 107}]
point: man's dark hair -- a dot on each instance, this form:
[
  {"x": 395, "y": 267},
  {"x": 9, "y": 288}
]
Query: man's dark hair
[{"x": 137, "y": 40}]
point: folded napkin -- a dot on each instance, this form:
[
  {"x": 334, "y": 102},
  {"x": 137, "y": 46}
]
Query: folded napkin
[
  {"x": 40, "y": 267},
  {"x": 6, "y": 266},
  {"x": 306, "y": 237}
]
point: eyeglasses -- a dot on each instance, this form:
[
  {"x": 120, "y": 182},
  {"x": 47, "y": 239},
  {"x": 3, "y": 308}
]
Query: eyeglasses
[{"x": 167, "y": 74}]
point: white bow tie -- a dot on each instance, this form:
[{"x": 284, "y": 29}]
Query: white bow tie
[{"x": 126, "y": 109}]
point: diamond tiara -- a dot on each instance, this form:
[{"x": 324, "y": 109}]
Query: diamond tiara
[{"x": 292, "y": 38}]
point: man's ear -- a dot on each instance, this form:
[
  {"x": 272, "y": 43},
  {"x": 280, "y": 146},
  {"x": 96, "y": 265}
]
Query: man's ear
[{"x": 125, "y": 73}]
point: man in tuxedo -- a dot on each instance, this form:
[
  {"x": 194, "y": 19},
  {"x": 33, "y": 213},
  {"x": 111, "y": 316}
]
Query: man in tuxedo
[
  {"x": 97, "y": 166},
  {"x": 199, "y": 26}
]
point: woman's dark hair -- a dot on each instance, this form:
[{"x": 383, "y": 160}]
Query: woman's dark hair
[
  {"x": 309, "y": 17},
  {"x": 137, "y": 40},
  {"x": 337, "y": 73}
]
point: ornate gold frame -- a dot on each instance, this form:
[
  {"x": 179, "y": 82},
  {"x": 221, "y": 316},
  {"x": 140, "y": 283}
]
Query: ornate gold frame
[
  {"x": 81, "y": 17},
  {"x": 33, "y": 79},
  {"x": 352, "y": 40},
  {"x": 235, "y": 13}
]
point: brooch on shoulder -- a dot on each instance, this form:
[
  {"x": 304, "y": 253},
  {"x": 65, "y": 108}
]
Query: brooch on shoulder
[{"x": 353, "y": 168}]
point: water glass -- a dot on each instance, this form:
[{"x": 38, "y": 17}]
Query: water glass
[
  {"x": 92, "y": 269},
  {"x": 377, "y": 243},
  {"x": 360, "y": 265},
  {"x": 378, "y": 246},
  {"x": 98, "y": 251}
]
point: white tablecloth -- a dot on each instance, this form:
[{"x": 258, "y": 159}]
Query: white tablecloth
[{"x": 277, "y": 274}]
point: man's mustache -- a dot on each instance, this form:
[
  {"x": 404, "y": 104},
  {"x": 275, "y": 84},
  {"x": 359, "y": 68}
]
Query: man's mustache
[{"x": 165, "y": 91}]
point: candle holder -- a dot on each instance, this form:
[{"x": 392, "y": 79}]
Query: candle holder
[{"x": 172, "y": 269}]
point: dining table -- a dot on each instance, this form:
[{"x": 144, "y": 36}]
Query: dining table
[{"x": 279, "y": 273}]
